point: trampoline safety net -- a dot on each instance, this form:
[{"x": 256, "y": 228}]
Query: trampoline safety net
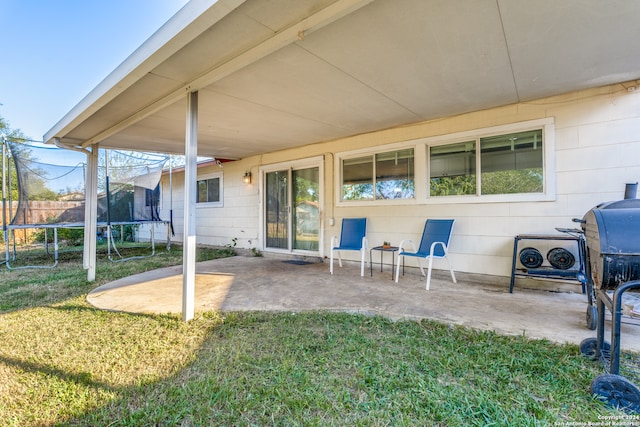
[{"x": 51, "y": 185}]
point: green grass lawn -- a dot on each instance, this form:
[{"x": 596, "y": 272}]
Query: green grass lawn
[{"x": 63, "y": 362}]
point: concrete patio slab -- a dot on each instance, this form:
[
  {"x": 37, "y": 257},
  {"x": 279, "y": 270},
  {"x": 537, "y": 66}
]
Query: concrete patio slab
[{"x": 268, "y": 284}]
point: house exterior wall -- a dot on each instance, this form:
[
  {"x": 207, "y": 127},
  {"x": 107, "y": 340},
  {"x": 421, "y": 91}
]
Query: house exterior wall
[
  {"x": 237, "y": 218},
  {"x": 596, "y": 151}
]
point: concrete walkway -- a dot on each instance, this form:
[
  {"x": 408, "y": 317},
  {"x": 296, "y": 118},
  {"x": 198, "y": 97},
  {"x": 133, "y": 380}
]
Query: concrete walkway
[{"x": 269, "y": 284}]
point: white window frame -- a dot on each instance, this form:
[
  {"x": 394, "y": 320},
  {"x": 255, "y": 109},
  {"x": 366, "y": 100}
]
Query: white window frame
[
  {"x": 218, "y": 204},
  {"x": 418, "y": 153},
  {"x": 422, "y": 173},
  {"x": 549, "y": 170}
]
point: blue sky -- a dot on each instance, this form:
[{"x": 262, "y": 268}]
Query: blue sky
[{"x": 54, "y": 52}]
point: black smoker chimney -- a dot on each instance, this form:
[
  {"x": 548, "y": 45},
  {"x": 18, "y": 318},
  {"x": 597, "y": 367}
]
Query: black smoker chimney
[{"x": 630, "y": 190}]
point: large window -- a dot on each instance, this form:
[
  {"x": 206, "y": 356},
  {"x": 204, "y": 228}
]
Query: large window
[
  {"x": 380, "y": 176},
  {"x": 512, "y": 163},
  {"x": 505, "y": 163},
  {"x": 508, "y": 164},
  {"x": 210, "y": 190}
]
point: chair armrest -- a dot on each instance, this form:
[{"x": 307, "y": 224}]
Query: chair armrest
[
  {"x": 364, "y": 243},
  {"x": 433, "y": 247},
  {"x": 406, "y": 242},
  {"x": 334, "y": 240}
]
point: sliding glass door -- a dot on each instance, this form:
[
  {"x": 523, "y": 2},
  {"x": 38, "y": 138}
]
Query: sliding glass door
[
  {"x": 278, "y": 210},
  {"x": 306, "y": 209},
  {"x": 292, "y": 209}
]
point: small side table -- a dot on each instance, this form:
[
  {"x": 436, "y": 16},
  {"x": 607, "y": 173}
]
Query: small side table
[{"x": 382, "y": 249}]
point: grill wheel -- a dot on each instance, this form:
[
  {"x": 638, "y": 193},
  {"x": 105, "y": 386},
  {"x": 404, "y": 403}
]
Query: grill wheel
[{"x": 617, "y": 391}]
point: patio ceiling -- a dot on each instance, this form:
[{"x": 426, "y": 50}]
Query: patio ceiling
[{"x": 275, "y": 74}]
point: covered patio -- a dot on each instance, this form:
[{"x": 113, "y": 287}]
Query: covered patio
[
  {"x": 269, "y": 283},
  {"x": 266, "y": 82}
]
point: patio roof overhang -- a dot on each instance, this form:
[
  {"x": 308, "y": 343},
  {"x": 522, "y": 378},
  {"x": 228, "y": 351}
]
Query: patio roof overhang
[
  {"x": 277, "y": 74},
  {"x": 236, "y": 78}
]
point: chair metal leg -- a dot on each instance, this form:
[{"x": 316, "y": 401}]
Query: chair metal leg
[
  {"x": 421, "y": 267},
  {"x": 331, "y": 262},
  {"x": 363, "y": 260},
  {"x": 398, "y": 269},
  {"x": 429, "y": 272},
  {"x": 453, "y": 276}
]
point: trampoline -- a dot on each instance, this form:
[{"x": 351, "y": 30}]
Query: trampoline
[{"x": 43, "y": 192}]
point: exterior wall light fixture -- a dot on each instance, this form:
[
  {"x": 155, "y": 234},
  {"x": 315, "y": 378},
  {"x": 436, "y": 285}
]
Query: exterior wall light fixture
[{"x": 246, "y": 178}]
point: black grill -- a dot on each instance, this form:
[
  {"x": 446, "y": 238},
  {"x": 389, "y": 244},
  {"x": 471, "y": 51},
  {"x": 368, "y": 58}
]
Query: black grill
[{"x": 612, "y": 233}]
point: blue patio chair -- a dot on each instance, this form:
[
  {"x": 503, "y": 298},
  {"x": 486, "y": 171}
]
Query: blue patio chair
[
  {"x": 353, "y": 237},
  {"x": 434, "y": 244}
]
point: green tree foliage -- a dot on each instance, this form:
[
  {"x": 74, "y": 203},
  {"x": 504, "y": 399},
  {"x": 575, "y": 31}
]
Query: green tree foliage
[
  {"x": 357, "y": 191},
  {"x": 513, "y": 181},
  {"x": 453, "y": 185},
  {"x": 395, "y": 189},
  {"x": 306, "y": 190},
  {"x": 14, "y": 135},
  {"x": 497, "y": 182},
  {"x": 19, "y": 148}
]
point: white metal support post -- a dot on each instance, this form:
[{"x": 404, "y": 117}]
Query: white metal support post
[
  {"x": 190, "y": 188},
  {"x": 91, "y": 213},
  {"x": 170, "y": 225},
  {"x": 4, "y": 197}
]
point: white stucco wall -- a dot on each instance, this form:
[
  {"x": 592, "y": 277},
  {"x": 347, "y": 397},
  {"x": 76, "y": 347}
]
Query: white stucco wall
[{"x": 597, "y": 151}]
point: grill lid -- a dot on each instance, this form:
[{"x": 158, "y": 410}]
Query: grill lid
[
  {"x": 612, "y": 233},
  {"x": 620, "y": 204},
  {"x": 618, "y": 230}
]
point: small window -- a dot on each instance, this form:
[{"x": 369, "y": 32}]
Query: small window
[
  {"x": 453, "y": 169},
  {"x": 210, "y": 190},
  {"x": 152, "y": 197},
  {"x": 357, "y": 178},
  {"x": 388, "y": 175},
  {"x": 394, "y": 175}
]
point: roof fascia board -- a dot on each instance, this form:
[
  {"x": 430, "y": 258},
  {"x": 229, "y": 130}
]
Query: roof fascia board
[
  {"x": 279, "y": 40},
  {"x": 188, "y": 23}
]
